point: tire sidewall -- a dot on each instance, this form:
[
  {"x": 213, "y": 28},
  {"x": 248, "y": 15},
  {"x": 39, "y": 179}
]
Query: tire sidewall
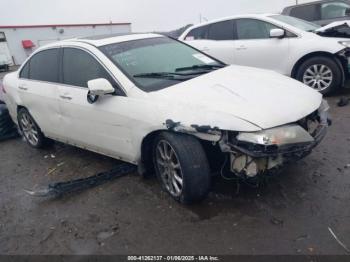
[
  {"x": 41, "y": 138},
  {"x": 330, "y": 63},
  {"x": 196, "y": 176}
]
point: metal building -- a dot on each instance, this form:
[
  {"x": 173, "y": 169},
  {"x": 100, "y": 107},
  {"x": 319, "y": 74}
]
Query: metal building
[{"x": 18, "y": 42}]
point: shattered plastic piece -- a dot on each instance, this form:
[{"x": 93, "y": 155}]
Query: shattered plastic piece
[
  {"x": 343, "y": 102},
  {"x": 61, "y": 188},
  {"x": 339, "y": 242}
]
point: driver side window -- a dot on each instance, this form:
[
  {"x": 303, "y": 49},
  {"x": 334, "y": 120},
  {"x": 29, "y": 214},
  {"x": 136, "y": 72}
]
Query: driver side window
[
  {"x": 253, "y": 29},
  {"x": 79, "y": 67}
]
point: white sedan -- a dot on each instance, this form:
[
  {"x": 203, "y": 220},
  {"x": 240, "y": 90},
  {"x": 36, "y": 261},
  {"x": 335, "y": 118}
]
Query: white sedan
[
  {"x": 287, "y": 45},
  {"x": 167, "y": 107}
]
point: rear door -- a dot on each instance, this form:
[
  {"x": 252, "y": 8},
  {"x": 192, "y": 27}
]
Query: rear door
[
  {"x": 102, "y": 126},
  {"x": 255, "y": 48},
  {"x": 38, "y": 90}
]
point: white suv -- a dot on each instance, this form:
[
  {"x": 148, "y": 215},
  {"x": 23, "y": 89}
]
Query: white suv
[{"x": 285, "y": 44}]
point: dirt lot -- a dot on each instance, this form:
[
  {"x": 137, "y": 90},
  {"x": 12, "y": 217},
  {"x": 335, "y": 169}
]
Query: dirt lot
[{"x": 289, "y": 215}]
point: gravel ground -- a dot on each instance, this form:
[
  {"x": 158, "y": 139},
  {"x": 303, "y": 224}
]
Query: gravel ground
[{"x": 291, "y": 214}]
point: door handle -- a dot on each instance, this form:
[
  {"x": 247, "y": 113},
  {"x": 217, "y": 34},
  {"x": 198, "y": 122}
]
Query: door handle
[
  {"x": 23, "y": 88},
  {"x": 242, "y": 47},
  {"x": 66, "y": 97}
]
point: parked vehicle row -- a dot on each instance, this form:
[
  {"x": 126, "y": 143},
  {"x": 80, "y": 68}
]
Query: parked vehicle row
[
  {"x": 284, "y": 44},
  {"x": 167, "y": 107}
]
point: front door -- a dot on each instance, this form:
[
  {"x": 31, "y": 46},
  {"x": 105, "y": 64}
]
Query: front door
[
  {"x": 103, "y": 126},
  {"x": 255, "y": 48}
]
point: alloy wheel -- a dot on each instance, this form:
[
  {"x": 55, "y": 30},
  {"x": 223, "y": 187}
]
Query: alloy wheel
[
  {"x": 169, "y": 168},
  {"x": 29, "y": 129},
  {"x": 319, "y": 77}
]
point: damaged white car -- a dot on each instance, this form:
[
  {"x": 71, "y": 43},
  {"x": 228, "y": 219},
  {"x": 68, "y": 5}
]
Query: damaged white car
[{"x": 166, "y": 107}]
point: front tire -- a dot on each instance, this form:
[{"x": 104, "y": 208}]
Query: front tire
[
  {"x": 320, "y": 73},
  {"x": 181, "y": 167},
  {"x": 30, "y": 130}
]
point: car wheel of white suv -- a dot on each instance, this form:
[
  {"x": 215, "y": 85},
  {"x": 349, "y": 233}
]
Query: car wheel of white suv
[
  {"x": 181, "y": 167},
  {"x": 321, "y": 73},
  {"x": 30, "y": 130}
]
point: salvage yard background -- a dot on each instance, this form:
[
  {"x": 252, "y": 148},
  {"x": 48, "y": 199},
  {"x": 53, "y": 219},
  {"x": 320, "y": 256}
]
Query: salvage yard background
[{"x": 291, "y": 214}]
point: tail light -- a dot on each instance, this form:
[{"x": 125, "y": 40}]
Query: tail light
[{"x": 2, "y": 88}]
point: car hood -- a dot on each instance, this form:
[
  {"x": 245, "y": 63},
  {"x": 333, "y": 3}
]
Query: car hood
[{"x": 238, "y": 98}]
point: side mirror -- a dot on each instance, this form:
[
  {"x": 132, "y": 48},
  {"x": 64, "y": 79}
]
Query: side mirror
[
  {"x": 277, "y": 33},
  {"x": 100, "y": 87}
]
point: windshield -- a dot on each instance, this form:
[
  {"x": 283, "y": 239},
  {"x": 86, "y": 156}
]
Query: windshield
[
  {"x": 296, "y": 22},
  {"x": 157, "y": 63}
]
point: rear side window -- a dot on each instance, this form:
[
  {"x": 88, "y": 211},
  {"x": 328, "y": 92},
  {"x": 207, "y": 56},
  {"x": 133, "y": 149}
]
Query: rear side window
[
  {"x": 306, "y": 12},
  {"x": 221, "y": 31},
  {"x": 79, "y": 67},
  {"x": 198, "y": 33},
  {"x": 43, "y": 66},
  {"x": 253, "y": 29}
]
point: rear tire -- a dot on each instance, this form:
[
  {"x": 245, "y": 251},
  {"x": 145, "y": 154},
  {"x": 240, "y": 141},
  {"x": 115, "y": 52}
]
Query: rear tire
[
  {"x": 182, "y": 167},
  {"x": 320, "y": 73},
  {"x": 30, "y": 130}
]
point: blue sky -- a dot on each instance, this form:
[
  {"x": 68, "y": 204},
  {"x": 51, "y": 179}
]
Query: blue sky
[{"x": 145, "y": 15}]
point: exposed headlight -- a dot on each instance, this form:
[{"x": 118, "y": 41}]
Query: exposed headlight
[
  {"x": 290, "y": 134},
  {"x": 345, "y": 43}
]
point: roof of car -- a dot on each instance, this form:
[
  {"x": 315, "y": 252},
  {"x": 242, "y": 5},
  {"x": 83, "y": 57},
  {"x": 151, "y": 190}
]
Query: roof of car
[{"x": 101, "y": 40}]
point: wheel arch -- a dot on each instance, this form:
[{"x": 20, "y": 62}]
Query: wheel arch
[
  {"x": 315, "y": 54},
  {"x": 146, "y": 167}
]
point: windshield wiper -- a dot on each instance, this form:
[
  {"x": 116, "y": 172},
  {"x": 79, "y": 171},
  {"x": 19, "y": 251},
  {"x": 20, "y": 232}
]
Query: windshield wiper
[
  {"x": 169, "y": 75},
  {"x": 196, "y": 67}
]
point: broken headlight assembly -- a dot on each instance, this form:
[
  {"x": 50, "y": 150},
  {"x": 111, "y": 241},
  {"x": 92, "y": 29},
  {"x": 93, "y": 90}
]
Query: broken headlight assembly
[
  {"x": 256, "y": 152},
  {"x": 291, "y": 134}
]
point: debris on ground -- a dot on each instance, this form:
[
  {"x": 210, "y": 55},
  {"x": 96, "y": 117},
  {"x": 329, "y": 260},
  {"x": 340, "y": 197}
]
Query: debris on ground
[
  {"x": 339, "y": 242},
  {"x": 7, "y": 127},
  {"x": 343, "y": 102},
  {"x": 303, "y": 237},
  {"x": 58, "y": 189},
  {"x": 105, "y": 235},
  {"x": 277, "y": 221}
]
